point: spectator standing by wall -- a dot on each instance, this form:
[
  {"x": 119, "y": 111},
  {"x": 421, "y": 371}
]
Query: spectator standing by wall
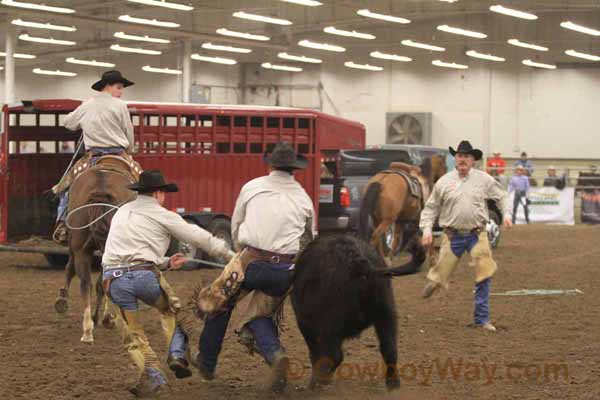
[{"x": 519, "y": 183}]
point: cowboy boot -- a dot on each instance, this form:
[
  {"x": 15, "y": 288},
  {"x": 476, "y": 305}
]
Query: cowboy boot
[{"x": 280, "y": 368}]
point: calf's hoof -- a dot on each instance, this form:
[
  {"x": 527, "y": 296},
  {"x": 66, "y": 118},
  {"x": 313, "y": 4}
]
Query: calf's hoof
[
  {"x": 108, "y": 321},
  {"x": 61, "y": 305}
]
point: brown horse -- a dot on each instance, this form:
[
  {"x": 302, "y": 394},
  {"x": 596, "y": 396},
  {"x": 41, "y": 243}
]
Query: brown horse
[
  {"x": 105, "y": 183},
  {"x": 388, "y": 202}
]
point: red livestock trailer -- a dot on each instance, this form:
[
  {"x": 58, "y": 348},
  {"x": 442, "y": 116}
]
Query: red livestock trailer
[{"x": 210, "y": 151}]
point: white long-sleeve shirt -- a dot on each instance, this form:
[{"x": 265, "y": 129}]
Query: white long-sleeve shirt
[
  {"x": 141, "y": 231},
  {"x": 105, "y": 121},
  {"x": 272, "y": 213},
  {"x": 460, "y": 203}
]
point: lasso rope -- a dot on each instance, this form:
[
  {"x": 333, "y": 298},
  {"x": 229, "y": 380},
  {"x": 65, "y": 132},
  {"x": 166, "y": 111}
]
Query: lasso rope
[{"x": 111, "y": 206}]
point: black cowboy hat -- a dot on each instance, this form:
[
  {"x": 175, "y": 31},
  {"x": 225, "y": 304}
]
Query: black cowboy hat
[
  {"x": 152, "y": 180},
  {"x": 284, "y": 156},
  {"x": 466, "y": 148},
  {"x": 110, "y": 78}
]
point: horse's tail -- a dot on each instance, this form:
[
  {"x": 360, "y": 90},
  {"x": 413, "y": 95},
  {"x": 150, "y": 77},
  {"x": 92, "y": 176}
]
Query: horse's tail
[
  {"x": 99, "y": 229},
  {"x": 367, "y": 206}
]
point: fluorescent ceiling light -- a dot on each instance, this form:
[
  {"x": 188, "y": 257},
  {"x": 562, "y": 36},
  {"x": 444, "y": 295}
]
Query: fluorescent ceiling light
[
  {"x": 216, "y": 60},
  {"x": 579, "y": 28},
  {"x": 56, "y": 73},
  {"x": 19, "y": 55},
  {"x": 585, "y": 56},
  {"x": 352, "y": 64},
  {"x": 280, "y": 67},
  {"x": 310, "y": 3},
  {"x": 517, "y": 42},
  {"x": 145, "y": 38},
  {"x": 460, "y": 31},
  {"x": 513, "y": 13},
  {"x": 39, "y": 25},
  {"x": 145, "y": 21},
  {"x": 163, "y": 3},
  {"x": 169, "y": 71},
  {"x": 40, "y": 7},
  {"x": 261, "y": 18},
  {"x": 425, "y": 46},
  {"x": 305, "y": 59},
  {"x": 358, "y": 35},
  {"x": 384, "y": 17},
  {"x": 321, "y": 46},
  {"x": 27, "y": 38},
  {"x": 392, "y": 57},
  {"x": 92, "y": 63},
  {"x": 242, "y": 35},
  {"x": 137, "y": 50},
  {"x": 1, "y": 68},
  {"x": 231, "y": 49},
  {"x": 489, "y": 57},
  {"x": 538, "y": 65},
  {"x": 449, "y": 1},
  {"x": 440, "y": 63}
]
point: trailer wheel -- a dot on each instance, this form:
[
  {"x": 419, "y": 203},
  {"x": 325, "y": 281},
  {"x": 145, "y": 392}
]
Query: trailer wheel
[
  {"x": 57, "y": 260},
  {"x": 221, "y": 228}
]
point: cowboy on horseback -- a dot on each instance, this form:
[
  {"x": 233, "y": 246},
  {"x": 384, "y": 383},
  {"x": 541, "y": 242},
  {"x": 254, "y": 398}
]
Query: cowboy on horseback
[
  {"x": 134, "y": 257},
  {"x": 459, "y": 200},
  {"x": 273, "y": 214},
  {"x": 107, "y": 130}
]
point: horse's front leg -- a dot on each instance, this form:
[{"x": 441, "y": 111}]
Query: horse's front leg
[{"x": 61, "y": 305}]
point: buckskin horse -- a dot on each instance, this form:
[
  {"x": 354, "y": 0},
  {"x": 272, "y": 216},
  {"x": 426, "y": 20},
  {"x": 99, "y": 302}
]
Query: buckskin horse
[
  {"x": 393, "y": 201},
  {"x": 93, "y": 197}
]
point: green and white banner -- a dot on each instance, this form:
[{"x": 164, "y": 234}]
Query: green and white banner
[{"x": 548, "y": 205}]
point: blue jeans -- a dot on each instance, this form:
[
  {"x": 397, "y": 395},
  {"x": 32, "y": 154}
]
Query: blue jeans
[
  {"x": 131, "y": 286},
  {"x": 459, "y": 244},
  {"x": 63, "y": 202},
  {"x": 271, "y": 279},
  {"x": 125, "y": 291}
]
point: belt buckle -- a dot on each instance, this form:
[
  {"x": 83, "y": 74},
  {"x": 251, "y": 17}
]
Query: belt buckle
[
  {"x": 117, "y": 274},
  {"x": 275, "y": 259}
]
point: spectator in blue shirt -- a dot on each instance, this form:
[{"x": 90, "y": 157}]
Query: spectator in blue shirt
[
  {"x": 520, "y": 184},
  {"x": 525, "y": 163}
]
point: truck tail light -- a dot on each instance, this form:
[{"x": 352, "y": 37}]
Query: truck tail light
[{"x": 344, "y": 197}]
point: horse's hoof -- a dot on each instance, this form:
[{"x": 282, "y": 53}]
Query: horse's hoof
[
  {"x": 61, "y": 305},
  {"x": 108, "y": 321},
  {"x": 87, "y": 338},
  {"x": 392, "y": 383}
]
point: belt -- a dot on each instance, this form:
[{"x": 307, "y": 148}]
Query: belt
[
  {"x": 118, "y": 272},
  {"x": 453, "y": 231},
  {"x": 265, "y": 255}
]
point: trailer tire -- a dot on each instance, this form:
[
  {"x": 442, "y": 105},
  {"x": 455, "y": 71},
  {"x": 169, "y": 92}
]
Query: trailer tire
[
  {"x": 57, "y": 260},
  {"x": 221, "y": 228}
]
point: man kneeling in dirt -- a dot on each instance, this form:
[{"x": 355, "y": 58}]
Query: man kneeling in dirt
[
  {"x": 272, "y": 214},
  {"x": 137, "y": 242}
]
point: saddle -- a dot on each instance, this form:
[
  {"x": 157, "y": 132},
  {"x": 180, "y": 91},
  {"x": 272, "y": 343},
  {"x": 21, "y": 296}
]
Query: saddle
[
  {"x": 407, "y": 172},
  {"x": 121, "y": 163}
]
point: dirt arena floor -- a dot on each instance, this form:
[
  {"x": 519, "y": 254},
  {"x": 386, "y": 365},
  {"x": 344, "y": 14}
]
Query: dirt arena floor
[{"x": 546, "y": 347}]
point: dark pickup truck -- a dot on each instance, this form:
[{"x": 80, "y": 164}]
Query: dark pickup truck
[{"x": 344, "y": 178}]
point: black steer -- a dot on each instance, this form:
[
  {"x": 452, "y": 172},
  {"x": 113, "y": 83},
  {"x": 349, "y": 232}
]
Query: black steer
[{"x": 342, "y": 287}]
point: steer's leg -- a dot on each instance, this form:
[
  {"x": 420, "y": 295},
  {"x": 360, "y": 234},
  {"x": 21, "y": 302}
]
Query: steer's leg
[{"x": 385, "y": 328}]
